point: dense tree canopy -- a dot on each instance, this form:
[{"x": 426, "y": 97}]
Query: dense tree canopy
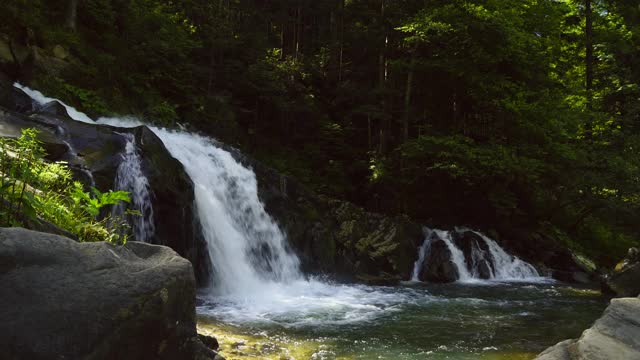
[{"x": 500, "y": 114}]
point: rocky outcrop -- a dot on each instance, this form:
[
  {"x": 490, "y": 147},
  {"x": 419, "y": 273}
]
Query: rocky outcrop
[
  {"x": 550, "y": 257},
  {"x": 476, "y": 253},
  {"x": 438, "y": 264},
  {"x": 336, "y": 237},
  {"x": 94, "y": 153},
  {"x": 624, "y": 280},
  {"x": 60, "y": 299},
  {"x": 615, "y": 336}
]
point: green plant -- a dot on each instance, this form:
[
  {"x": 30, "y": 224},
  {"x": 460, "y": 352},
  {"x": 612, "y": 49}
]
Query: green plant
[{"x": 32, "y": 190}]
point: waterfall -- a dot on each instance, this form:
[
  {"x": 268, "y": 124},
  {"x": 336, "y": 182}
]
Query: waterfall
[
  {"x": 130, "y": 177},
  {"x": 457, "y": 256},
  {"x": 508, "y": 267},
  {"x": 248, "y": 251},
  {"x": 39, "y": 98},
  {"x": 423, "y": 251},
  {"x": 246, "y": 246},
  {"x": 255, "y": 275},
  {"x": 499, "y": 265}
]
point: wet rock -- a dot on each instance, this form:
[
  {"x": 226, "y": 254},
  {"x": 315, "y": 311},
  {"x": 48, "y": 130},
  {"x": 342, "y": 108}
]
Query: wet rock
[
  {"x": 615, "y": 336},
  {"x": 209, "y": 341},
  {"x": 625, "y": 278},
  {"x": 476, "y": 252},
  {"x": 94, "y": 153},
  {"x": 12, "y": 98},
  {"x": 64, "y": 299},
  {"x": 549, "y": 255},
  {"x": 438, "y": 265},
  {"x": 579, "y": 277},
  {"x": 485, "y": 271}
]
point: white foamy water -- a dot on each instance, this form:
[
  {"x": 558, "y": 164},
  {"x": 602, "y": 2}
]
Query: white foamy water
[
  {"x": 38, "y": 97},
  {"x": 456, "y": 255},
  {"x": 509, "y": 267},
  {"x": 423, "y": 251},
  {"x": 256, "y": 278},
  {"x": 130, "y": 177},
  {"x": 505, "y": 267}
]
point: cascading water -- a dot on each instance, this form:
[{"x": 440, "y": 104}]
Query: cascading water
[
  {"x": 457, "y": 256},
  {"x": 256, "y": 278},
  {"x": 246, "y": 247},
  {"x": 423, "y": 251},
  {"x": 503, "y": 266},
  {"x": 130, "y": 177},
  {"x": 508, "y": 267},
  {"x": 39, "y": 98}
]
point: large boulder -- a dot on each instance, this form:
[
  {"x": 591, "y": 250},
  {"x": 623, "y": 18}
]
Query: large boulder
[
  {"x": 545, "y": 251},
  {"x": 625, "y": 278},
  {"x": 94, "y": 153},
  {"x": 615, "y": 336},
  {"x": 438, "y": 266},
  {"x": 60, "y": 299}
]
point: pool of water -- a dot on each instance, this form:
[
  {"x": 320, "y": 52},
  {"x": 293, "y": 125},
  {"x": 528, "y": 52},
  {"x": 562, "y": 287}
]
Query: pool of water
[{"x": 482, "y": 320}]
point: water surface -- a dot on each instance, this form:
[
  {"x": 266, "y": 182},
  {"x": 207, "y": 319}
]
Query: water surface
[{"x": 482, "y": 320}]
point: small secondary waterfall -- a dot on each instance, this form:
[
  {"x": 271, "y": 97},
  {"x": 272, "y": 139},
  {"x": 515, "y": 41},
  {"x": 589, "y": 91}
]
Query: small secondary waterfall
[
  {"x": 457, "y": 256},
  {"x": 130, "y": 177},
  {"x": 508, "y": 266},
  {"x": 423, "y": 251},
  {"x": 499, "y": 264}
]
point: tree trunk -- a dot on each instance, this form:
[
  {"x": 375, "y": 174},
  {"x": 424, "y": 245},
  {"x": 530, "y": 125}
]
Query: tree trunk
[
  {"x": 589, "y": 53},
  {"x": 72, "y": 14},
  {"x": 407, "y": 100},
  {"x": 341, "y": 30},
  {"x": 382, "y": 79}
]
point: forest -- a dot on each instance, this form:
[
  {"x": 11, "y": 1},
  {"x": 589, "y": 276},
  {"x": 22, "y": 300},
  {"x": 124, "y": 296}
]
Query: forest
[{"x": 505, "y": 115}]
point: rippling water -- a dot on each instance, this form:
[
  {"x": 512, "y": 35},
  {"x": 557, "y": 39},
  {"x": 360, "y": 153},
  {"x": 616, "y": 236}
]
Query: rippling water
[{"x": 487, "y": 320}]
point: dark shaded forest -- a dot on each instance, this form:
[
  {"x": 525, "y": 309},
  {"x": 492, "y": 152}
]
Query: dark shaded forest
[{"x": 507, "y": 115}]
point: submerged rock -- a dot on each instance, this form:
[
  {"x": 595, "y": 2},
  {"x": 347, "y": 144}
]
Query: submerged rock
[
  {"x": 64, "y": 299},
  {"x": 615, "y": 336}
]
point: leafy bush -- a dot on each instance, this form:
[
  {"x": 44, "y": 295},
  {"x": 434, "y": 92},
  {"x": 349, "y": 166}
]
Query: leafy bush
[{"x": 32, "y": 190}]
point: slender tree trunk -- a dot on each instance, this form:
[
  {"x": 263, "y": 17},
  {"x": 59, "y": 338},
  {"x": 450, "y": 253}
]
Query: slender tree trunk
[
  {"x": 407, "y": 99},
  {"x": 72, "y": 14},
  {"x": 282, "y": 43},
  {"x": 298, "y": 31},
  {"x": 369, "y": 140},
  {"x": 341, "y": 41},
  {"x": 589, "y": 53},
  {"x": 382, "y": 79}
]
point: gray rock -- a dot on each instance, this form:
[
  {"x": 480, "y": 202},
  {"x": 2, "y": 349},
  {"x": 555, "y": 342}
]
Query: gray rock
[
  {"x": 60, "y": 299},
  {"x": 438, "y": 265},
  {"x": 96, "y": 150},
  {"x": 615, "y": 336},
  {"x": 625, "y": 279}
]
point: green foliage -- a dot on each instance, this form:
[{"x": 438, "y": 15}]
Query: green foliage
[
  {"x": 502, "y": 132},
  {"x": 32, "y": 189}
]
